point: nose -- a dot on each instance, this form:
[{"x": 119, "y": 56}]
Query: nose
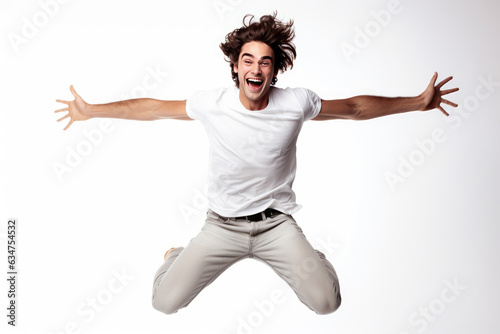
[{"x": 256, "y": 68}]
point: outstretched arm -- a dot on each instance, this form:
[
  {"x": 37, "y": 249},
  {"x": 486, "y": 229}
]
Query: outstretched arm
[
  {"x": 143, "y": 109},
  {"x": 368, "y": 107}
]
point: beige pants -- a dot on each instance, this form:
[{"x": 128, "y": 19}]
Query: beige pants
[{"x": 277, "y": 241}]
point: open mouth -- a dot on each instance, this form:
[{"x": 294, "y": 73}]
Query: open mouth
[{"x": 254, "y": 84}]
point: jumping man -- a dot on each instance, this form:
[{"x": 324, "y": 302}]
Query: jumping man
[{"x": 252, "y": 129}]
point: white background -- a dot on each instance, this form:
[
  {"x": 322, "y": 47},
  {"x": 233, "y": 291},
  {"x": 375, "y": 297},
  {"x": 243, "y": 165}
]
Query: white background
[{"x": 137, "y": 189}]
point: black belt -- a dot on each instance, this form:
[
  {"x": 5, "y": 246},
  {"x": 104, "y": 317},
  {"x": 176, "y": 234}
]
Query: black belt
[{"x": 259, "y": 216}]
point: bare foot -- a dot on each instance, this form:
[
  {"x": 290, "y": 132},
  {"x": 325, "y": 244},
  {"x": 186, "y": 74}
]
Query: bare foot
[{"x": 168, "y": 253}]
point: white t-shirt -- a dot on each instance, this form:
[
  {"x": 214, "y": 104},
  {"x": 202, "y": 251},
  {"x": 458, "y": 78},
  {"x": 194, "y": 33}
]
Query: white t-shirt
[{"x": 252, "y": 159}]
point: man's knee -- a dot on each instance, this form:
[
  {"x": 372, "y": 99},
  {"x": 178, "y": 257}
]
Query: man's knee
[
  {"x": 327, "y": 304},
  {"x": 169, "y": 301},
  {"x": 164, "y": 306}
]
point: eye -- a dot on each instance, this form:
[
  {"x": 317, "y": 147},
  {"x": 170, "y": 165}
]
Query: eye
[
  {"x": 248, "y": 62},
  {"x": 265, "y": 63}
]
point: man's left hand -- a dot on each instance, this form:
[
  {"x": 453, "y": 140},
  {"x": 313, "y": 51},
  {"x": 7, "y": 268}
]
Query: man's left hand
[{"x": 432, "y": 95}]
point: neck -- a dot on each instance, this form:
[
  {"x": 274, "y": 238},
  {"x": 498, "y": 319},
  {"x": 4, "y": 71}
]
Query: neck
[{"x": 254, "y": 105}]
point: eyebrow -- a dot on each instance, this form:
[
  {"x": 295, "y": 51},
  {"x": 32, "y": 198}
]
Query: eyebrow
[{"x": 252, "y": 56}]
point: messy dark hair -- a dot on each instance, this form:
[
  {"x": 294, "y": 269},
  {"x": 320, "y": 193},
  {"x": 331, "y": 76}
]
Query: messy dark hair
[{"x": 275, "y": 33}]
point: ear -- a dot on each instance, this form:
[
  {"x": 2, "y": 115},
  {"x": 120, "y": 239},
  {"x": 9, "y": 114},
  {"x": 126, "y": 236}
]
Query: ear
[{"x": 235, "y": 67}]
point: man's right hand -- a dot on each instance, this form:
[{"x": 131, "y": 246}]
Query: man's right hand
[{"x": 77, "y": 109}]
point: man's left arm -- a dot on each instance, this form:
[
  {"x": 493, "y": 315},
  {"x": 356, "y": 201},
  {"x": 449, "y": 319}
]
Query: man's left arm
[{"x": 367, "y": 107}]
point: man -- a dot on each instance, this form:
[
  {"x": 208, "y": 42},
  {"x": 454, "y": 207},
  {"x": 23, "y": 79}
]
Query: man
[{"x": 252, "y": 130}]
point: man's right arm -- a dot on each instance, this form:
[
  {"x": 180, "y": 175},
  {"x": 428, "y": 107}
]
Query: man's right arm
[{"x": 144, "y": 109}]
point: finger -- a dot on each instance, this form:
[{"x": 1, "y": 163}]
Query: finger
[
  {"x": 73, "y": 91},
  {"x": 448, "y": 91},
  {"x": 449, "y": 103},
  {"x": 69, "y": 124},
  {"x": 433, "y": 79},
  {"x": 63, "y": 109},
  {"x": 62, "y": 101},
  {"x": 64, "y": 117},
  {"x": 442, "y": 83},
  {"x": 443, "y": 111}
]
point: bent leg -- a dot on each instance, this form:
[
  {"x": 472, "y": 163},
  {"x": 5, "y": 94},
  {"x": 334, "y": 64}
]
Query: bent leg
[
  {"x": 306, "y": 270},
  {"x": 187, "y": 271}
]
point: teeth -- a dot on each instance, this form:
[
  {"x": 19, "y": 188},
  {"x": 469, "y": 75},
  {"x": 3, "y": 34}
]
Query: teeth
[{"x": 255, "y": 80}]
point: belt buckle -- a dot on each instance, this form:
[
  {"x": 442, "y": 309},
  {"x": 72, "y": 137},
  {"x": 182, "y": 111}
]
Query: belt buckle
[
  {"x": 267, "y": 213},
  {"x": 255, "y": 217},
  {"x": 261, "y": 215}
]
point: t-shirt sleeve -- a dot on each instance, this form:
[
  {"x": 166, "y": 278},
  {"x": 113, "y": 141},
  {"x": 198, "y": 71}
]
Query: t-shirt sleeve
[
  {"x": 194, "y": 105},
  {"x": 310, "y": 101}
]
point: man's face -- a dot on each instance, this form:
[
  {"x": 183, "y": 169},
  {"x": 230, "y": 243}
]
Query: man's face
[{"x": 255, "y": 69}]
